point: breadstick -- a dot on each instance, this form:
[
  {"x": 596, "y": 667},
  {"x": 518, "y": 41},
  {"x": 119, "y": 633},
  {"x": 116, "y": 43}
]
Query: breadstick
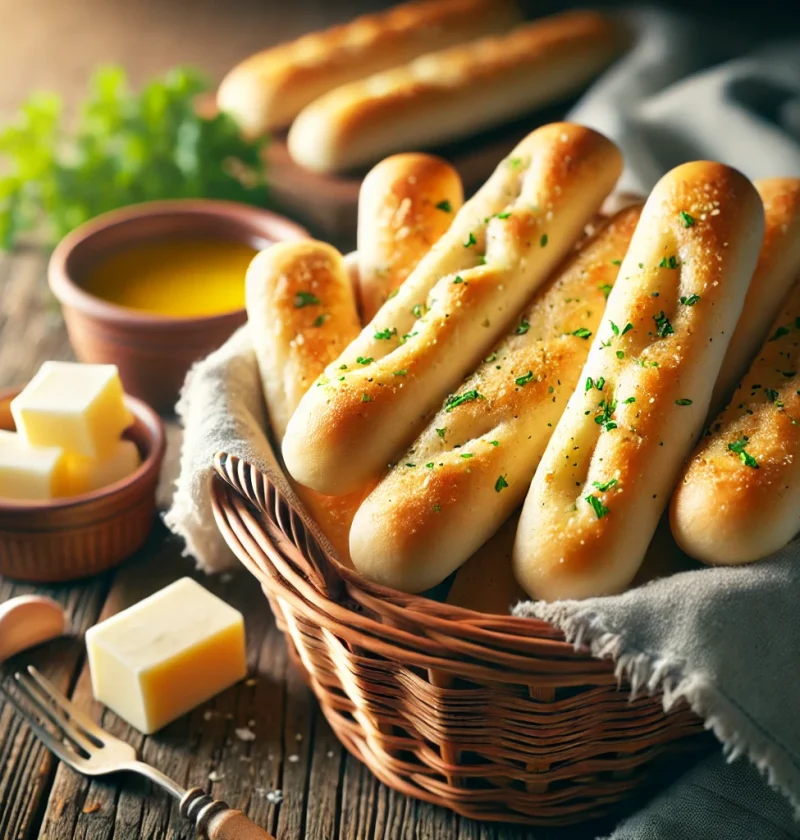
[
  {"x": 778, "y": 267},
  {"x": 405, "y": 205},
  {"x": 739, "y": 498},
  {"x": 615, "y": 455},
  {"x": 463, "y": 295},
  {"x": 446, "y": 95},
  {"x": 472, "y": 465},
  {"x": 302, "y": 313},
  {"x": 267, "y": 91}
]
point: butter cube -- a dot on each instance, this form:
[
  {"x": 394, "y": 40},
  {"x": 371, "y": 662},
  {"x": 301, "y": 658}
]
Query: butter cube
[
  {"x": 87, "y": 474},
  {"x": 167, "y": 654},
  {"x": 31, "y": 473},
  {"x": 77, "y": 407}
]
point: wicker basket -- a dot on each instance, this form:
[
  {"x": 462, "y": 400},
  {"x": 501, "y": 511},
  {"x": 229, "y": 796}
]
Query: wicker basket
[{"x": 495, "y": 717}]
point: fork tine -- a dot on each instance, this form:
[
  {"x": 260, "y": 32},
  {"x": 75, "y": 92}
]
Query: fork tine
[
  {"x": 58, "y": 748},
  {"x": 92, "y": 730},
  {"x": 68, "y": 729}
]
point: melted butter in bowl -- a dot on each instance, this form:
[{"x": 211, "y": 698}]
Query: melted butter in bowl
[{"x": 174, "y": 277}]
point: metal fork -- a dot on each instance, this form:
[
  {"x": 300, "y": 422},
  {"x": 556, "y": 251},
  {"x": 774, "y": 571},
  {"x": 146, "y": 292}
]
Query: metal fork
[{"x": 90, "y": 750}]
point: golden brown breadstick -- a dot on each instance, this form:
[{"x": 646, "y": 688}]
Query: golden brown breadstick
[
  {"x": 473, "y": 464},
  {"x": 615, "y": 456},
  {"x": 778, "y": 267},
  {"x": 302, "y": 313},
  {"x": 446, "y": 95},
  {"x": 405, "y": 205},
  {"x": 739, "y": 498},
  {"x": 462, "y": 297},
  {"x": 268, "y": 90}
]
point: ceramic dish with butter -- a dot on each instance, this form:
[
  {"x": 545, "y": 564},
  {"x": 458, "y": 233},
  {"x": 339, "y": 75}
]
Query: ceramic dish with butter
[
  {"x": 76, "y": 536},
  {"x": 155, "y": 287}
]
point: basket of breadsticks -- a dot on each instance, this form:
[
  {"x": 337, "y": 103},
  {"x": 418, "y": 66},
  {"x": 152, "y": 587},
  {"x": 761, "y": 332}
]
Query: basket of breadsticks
[{"x": 505, "y": 399}]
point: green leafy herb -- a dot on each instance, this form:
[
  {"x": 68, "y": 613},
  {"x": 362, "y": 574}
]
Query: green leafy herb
[
  {"x": 691, "y": 300},
  {"x": 605, "y": 411},
  {"x": 320, "y": 320},
  {"x": 669, "y": 262},
  {"x": 302, "y": 299},
  {"x": 445, "y": 206},
  {"x": 385, "y": 335},
  {"x": 491, "y": 357},
  {"x": 600, "y": 510},
  {"x": 606, "y": 288},
  {"x": 683, "y": 402},
  {"x": 504, "y": 215},
  {"x": 494, "y": 443},
  {"x": 125, "y": 148},
  {"x": 456, "y": 400},
  {"x": 429, "y": 465},
  {"x": 418, "y": 310},
  {"x": 629, "y": 400},
  {"x": 441, "y": 432},
  {"x": 663, "y": 326},
  {"x": 467, "y": 455},
  {"x": 688, "y": 221},
  {"x": 458, "y": 279},
  {"x": 364, "y": 360},
  {"x": 620, "y": 354},
  {"x": 738, "y": 447},
  {"x": 523, "y": 327},
  {"x": 602, "y": 486},
  {"x": 616, "y": 262},
  {"x": 591, "y": 383},
  {"x": 471, "y": 240},
  {"x": 543, "y": 240},
  {"x": 515, "y": 163},
  {"x": 779, "y": 333},
  {"x": 399, "y": 372},
  {"x": 524, "y": 379},
  {"x": 411, "y": 465},
  {"x": 582, "y": 332},
  {"x": 365, "y": 397},
  {"x": 500, "y": 484}
]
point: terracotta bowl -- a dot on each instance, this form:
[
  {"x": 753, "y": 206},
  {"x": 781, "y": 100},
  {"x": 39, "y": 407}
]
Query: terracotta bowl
[
  {"x": 82, "y": 535},
  {"x": 153, "y": 352}
]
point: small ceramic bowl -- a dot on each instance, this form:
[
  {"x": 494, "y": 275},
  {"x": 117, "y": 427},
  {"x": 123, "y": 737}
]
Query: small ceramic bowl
[
  {"x": 70, "y": 538},
  {"x": 153, "y": 352}
]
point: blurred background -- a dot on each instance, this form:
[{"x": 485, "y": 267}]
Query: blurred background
[{"x": 55, "y": 44}]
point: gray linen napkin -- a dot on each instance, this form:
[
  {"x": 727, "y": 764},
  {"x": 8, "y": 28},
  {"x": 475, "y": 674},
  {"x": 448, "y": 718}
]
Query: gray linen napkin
[{"x": 728, "y": 640}]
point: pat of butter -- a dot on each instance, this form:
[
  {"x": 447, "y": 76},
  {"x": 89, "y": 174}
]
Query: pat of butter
[
  {"x": 77, "y": 407},
  {"x": 87, "y": 474},
  {"x": 167, "y": 654},
  {"x": 31, "y": 473}
]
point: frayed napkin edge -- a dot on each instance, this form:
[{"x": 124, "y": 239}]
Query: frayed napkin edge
[{"x": 732, "y": 727}]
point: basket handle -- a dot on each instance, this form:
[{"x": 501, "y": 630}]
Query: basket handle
[{"x": 301, "y": 542}]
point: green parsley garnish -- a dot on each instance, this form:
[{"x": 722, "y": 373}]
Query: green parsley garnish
[
  {"x": 663, "y": 326},
  {"x": 745, "y": 457},
  {"x": 669, "y": 262},
  {"x": 385, "y": 335},
  {"x": 629, "y": 400},
  {"x": 494, "y": 443},
  {"x": 429, "y": 465},
  {"x": 364, "y": 360},
  {"x": 620, "y": 354},
  {"x": 603, "y": 418},
  {"x": 688, "y": 221},
  {"x": 365, "y": 397},
  {"x": 491, "y": 357},
  {"x": 773, "y": 396},
  {"x": 445, "y": 206},
  {"x": 600, "y": 510},
  {"x": 779, "y": 333},
  {"x": 456, "y": 400},
  {"x": 471, "y": 240},
  {"x": 418, "y": 310},
  {"x": 524, "y": 379},
  {"x": 320, "y": 320},
  {"x": 500, "y": 484},
  {"x": 515, "y": 163},
  {"x": 503, "y": 215},
  {"x": 606, "y": 289},
  {"x": 616, "y": 262},
  {"x": 441, "y": 432},
  {"x": 690, "y": 301},
  {"x": 399, "y": 372},
  {"x": 523, "y": 327},
  {"x": 683, "y": 402},
  {"x": 543, "y": 240},
  {"x": 467, "y": 455},
  {"x": 582, "y": 332},
  {"x": 302, "y": 299},
  {"x": 458, "y": 279},
  {"x": 602, "y": 486},
  {"x": 591, "y": 383}
]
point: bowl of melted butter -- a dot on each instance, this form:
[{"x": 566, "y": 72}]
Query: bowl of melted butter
[{"x": 155, "y": 287}]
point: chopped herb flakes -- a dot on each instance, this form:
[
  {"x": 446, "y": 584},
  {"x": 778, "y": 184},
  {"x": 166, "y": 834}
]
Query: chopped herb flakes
[
  {"x": 544, "y": 240},
  {"x": 599, "y": 383},
  {"x": 302, "y": 299},
  {"x": 690, "y": 301},
  {"x": 745, "y": 457},
  {"x": 663, "y": 326},
  {"x": 602, "y": 486},
  {"x": 494, "y": 443},
  {"x": 458, "y": 279},
  {"x": 616, "y": 262},
  {"x": 779, "y": 333},
  {"x": 688, "y": 221},
  {"x": 523, "y": 327},
  {"x": 459, "y": 399},
  {"x": 620, "y": 354},
  {"x": 500, "y": 484},
  {"x": 515, "y": 163},
  {"x": 418, "y": 310},
  {"x": 582, "y": 332},
  {"x": 399, "y": 372},
  {"x": 362, "y": 360},
  {"x": 503, "y": 215},
  {"x": 365, "y": 397},
  {"x": 617, "y": 331},
  {"x": 606, "y": 409},
  {"x": 441, "y": 432},
  {"x": 471, "y": 240},
  {"x": 429, "y": 465},
  {"x": 320, "y": 320},
  {"x": 445, "y": 206},
  {"x": 683, "y": 402},
  {"x": 385, "y": 335},
  {"x": 629, "y": 400},
  {"x": 600, "y": 510},
  {"x": 491, "y": 357},
  {"x": 669, "y": 262},
  {"x": 524, "y": 379},
  {"x": 606, "y": 288}
]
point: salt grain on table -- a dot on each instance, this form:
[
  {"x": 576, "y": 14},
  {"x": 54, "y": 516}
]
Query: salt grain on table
[
  {"x": 244, "y": 734},
  {"x": 213, "y": 776},
  {"x": 294, "y": 758}
]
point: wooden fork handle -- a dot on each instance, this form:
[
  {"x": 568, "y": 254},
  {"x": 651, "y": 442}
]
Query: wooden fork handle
[
  {"x": 214, "y": 820},
  {"x": 234, "y": 825}
]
